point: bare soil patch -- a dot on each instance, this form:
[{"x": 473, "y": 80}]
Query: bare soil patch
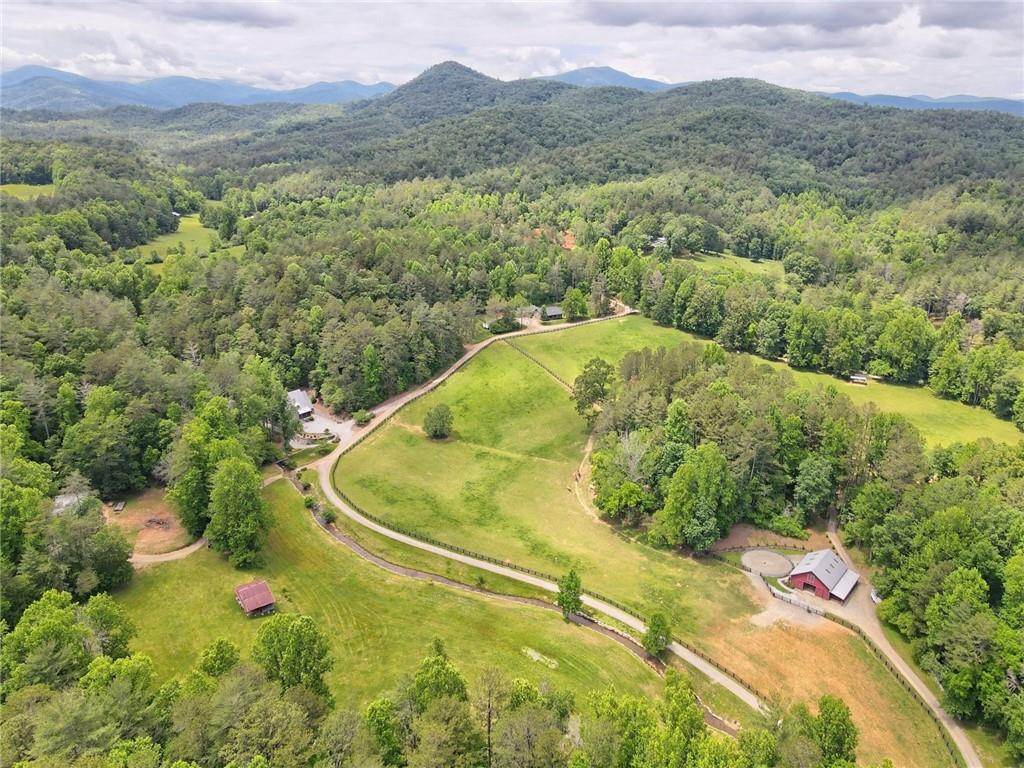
[
  {"x": 767, "y": 563},
  {"x": 747, "y": 535},
  {"x": 150, "y": 523}
]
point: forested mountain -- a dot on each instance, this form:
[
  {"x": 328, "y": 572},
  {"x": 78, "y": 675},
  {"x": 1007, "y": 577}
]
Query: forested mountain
[
  {"x": 352, "y": 249},
  {"x": 1012, "y": 106},
  {"x": 35, "y": 87},
  {"x": 590, "y": 77}
]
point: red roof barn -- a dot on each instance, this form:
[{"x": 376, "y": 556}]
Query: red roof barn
[
  {"x": 255, "y": 598},
  {"x": 825, "y": 574}
]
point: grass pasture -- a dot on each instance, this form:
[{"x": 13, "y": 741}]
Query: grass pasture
[
  {"x": 27, "y": 191},
  {"x": 503, "y": 486},
  {"x": 379, "y": 624},
  {"x": 941, "y": 422},
  {"x": 190, "y": 233},
  {"x": 736, "y": 263}
]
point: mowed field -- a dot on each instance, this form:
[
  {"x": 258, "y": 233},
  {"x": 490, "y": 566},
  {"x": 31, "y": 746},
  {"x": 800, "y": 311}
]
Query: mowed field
[
  {"x": 941, "y": 422},
  {"x": 503, "y": 485},
  {"x": 379, "y": 624},
  {"x": 27, "y": 191},
  {"x": 190, "y": 233},
  {"x": 738, "y": 263}
]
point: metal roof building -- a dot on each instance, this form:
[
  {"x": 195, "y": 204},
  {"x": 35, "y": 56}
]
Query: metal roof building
[
  {"x": 255, "y": 598},
  {"x": 824, "y": 573},
  {"x": 301, "y": 403}
]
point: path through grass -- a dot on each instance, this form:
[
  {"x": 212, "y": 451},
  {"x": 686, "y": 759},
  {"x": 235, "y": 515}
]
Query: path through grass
[{"x": 379, "y": 624}]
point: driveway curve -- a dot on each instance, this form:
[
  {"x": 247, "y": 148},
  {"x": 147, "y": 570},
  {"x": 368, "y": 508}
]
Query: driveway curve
[{"x": 349, "y": 435}]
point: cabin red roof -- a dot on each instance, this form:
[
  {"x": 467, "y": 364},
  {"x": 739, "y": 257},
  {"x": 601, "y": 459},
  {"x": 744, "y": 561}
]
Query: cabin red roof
[{"x": 254, "y": 596}]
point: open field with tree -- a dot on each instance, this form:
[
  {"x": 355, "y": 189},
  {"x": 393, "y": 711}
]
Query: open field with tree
[
  {"x": 940, "y": 421},
  {"x": 376, "y": 622},
  {"x": 503, "y": 485}
]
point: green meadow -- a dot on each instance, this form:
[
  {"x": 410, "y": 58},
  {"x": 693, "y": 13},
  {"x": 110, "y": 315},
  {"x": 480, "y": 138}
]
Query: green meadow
[
  {"x": 379, "y": 624},
  {"x": 27, "y": 191},
  {"x": 941, "y": 422},
  {"x": 737, "y": 263},
  {"x": 504, "y": 485}
]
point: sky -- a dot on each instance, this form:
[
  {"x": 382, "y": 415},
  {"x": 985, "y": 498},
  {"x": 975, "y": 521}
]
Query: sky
[{"x": 923, "y": 47}]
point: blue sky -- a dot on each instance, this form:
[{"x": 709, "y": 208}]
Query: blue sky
[{"x": 938, "y": 48}]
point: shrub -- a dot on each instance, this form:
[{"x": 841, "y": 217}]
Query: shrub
[
  {"x": 504, "y": 324},
  {"x": 363, "y": 417},
  {"x": 438, "y": 422},
  {"x": 308, "y": 501},
  {"x": 330, "y": 516}
]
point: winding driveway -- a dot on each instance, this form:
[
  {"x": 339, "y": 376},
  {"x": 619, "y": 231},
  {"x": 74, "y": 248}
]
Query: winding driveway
[
  {"x": 860, "y": 610},
  {"x": 348, "y": 435}
]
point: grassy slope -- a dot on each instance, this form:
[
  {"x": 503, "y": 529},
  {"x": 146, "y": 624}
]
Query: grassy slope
[
  {"x": 190, "y": 232},
  {"x": 27, "y": 191},
  {"x": 502, "y": 487},
  {"x": 379, "y": 625},
  {"x": 941, "y": 421}
]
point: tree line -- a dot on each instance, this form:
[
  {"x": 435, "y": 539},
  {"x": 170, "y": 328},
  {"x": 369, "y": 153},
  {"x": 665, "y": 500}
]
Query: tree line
[
  {"x": 691, "y": 440},
  {"x": 75, "y": 694}
]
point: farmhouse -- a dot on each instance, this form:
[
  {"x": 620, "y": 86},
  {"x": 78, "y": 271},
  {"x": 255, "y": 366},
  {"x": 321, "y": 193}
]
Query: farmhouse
[
  {"x": 825, "y": 574},
  {"x": 301, "y": 403},
  {"x": 552, "y": 313},
  {"x": 255, "y": 598}
]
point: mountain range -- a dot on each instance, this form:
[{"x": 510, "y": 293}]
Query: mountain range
[
  {"x": 34, "y": 87},
  {"x": 44, "y": 88}
]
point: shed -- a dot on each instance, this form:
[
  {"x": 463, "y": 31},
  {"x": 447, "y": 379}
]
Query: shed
[
  {"x": 301, "y": 403},
  {"x": 255, "y": 598},
  {"x": 552, "y": 313},
  {"x": 859, "y": 378},
  {"x": 824, "y": 573}
]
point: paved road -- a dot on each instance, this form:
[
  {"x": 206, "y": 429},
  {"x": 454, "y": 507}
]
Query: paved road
[
  {"x": 348, "y": 434},
  {"x": 860, "y": 610},
  {"x": 621, "y": 638}
]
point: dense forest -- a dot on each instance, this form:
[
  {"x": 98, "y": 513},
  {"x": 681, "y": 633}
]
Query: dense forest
[
  {"x": 693, "y": 441},
  {"x": 371, "y": 238}
]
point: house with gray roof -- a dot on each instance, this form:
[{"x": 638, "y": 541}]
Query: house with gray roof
[
  {"x": 301, "y": 403},
  {"x": 824, "y": 573}
]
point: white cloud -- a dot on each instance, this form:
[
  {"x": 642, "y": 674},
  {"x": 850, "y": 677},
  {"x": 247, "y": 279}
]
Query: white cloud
[{"x": 897, "y": 47}]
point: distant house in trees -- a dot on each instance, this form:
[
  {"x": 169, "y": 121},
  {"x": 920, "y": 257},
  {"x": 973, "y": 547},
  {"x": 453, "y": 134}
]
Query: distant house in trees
[
  {"x": 301, "y": 403},
  {"x": 552, "y": 313},
  {"x": 859, "y": 378},
  {"x": 66, "y": 501},
  {"x": 255, "y": 598},
  {"x": 530, "y": 310},
  {"x": 824, "y": 573}
]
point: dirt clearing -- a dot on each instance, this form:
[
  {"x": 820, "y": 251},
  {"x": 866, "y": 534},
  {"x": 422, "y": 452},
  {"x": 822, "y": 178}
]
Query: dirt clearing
[{"x": 149, "y": 522}]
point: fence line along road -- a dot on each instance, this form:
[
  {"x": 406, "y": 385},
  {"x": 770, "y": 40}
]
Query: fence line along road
[{"x": 348, "y": 439}]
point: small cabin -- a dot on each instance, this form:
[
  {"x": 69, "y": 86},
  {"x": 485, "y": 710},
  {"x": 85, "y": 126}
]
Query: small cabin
[
  {"x": 859, "y": 378},
  {"x": 255, "y": 598},
  {"x": 552, "y": 313}
]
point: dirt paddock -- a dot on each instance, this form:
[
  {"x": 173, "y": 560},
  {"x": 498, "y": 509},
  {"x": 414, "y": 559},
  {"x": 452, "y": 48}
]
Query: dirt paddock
[{"x": 767, "y": 563}]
